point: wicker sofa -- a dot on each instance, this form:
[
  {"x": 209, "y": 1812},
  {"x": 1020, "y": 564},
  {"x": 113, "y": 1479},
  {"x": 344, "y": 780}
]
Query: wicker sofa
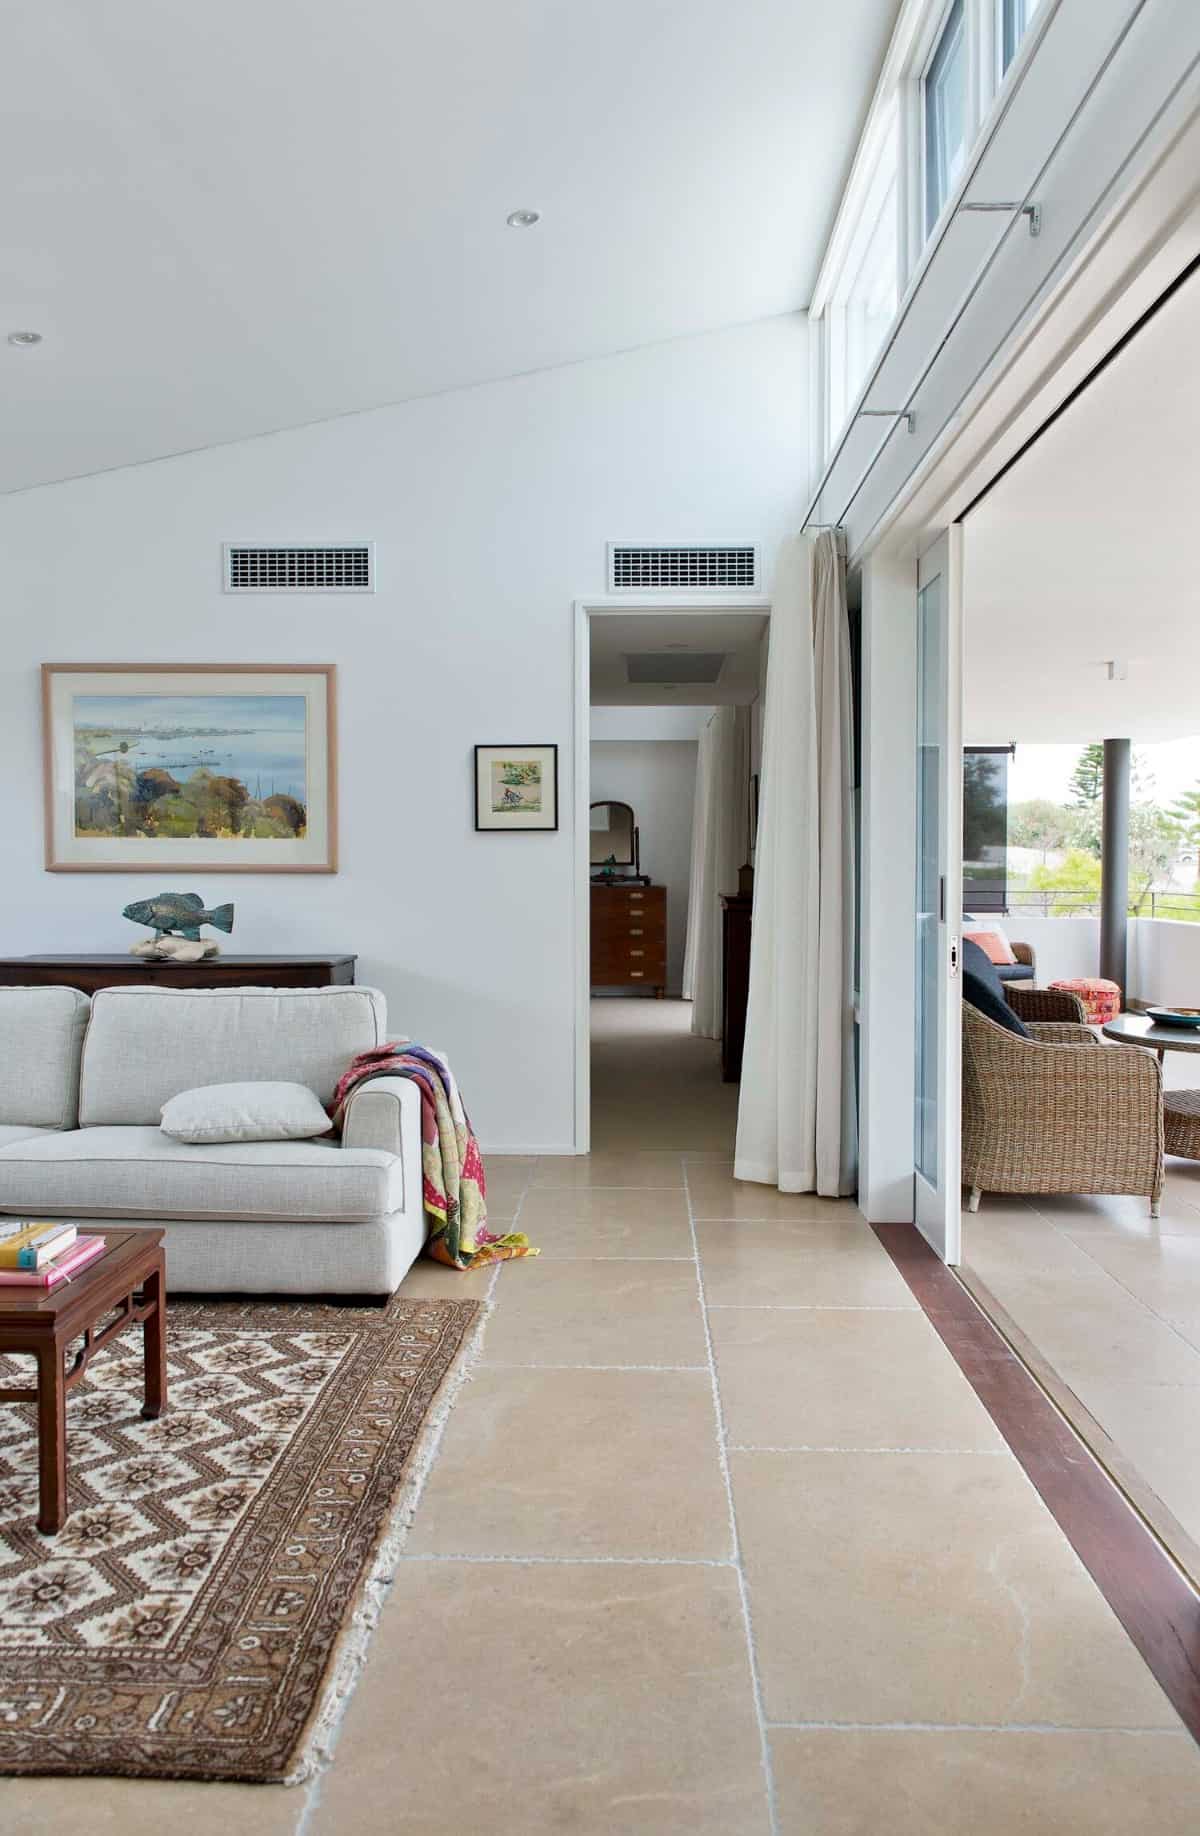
[{"x": 1060, "y": 1112}]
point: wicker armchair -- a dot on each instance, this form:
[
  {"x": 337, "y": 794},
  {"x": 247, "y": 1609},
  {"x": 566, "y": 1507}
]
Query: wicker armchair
[
  {"x": 1061, "y": 1112},
  {"x": 1034, "y": 1005}
]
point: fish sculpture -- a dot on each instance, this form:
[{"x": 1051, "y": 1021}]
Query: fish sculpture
[{"x": 178, "y": 914}]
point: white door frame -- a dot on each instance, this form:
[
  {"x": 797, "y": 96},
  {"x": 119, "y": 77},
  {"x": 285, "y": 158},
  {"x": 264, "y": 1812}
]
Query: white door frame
[
  {"x": 611, "y": 605},
  {"x": 938, "y": 1206}
]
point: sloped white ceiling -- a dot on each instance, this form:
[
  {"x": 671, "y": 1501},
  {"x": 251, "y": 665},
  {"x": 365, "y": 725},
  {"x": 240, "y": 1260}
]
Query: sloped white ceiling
[
  {"x": 240, "y": 215},
  {"x": 1086, "y": 552}
]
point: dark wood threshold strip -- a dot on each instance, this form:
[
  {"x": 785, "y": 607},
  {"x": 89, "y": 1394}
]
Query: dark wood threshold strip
[
  {"x": 1147, "y": 1592},
  {"x": 1182, "y": 1547}
]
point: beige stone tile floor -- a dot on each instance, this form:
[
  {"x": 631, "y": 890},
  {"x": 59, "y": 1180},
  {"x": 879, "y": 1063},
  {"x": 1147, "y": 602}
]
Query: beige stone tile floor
[
  {"x": 769, "y": 1573},
  {"x": 1110, "y": 1299}
]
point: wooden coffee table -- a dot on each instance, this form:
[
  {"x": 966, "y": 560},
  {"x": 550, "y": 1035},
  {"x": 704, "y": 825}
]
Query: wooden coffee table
[{"x": 129, "y": 1277}]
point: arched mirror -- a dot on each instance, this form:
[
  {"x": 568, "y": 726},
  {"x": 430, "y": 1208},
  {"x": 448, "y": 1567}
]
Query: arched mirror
[{"x": 614, "y": 836}]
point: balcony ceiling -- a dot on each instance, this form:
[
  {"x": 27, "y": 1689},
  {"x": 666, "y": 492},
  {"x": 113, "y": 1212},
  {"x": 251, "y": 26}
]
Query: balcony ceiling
[
  {"x": 227, "y": 219},
  {"x": 1086, "y": 552}
]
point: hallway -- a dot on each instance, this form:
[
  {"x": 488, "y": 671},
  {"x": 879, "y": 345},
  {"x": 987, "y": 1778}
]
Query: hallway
[{"x": 655, "y": 1086}]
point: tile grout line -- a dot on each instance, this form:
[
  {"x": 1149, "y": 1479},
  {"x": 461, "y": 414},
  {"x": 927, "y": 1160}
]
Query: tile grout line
[
  {"x": 965, "y": 1727},
  {"x": 957, "y": 1453},
  {"x": 585, "y": 1561},
  {"x": 765, "y": 1759},
  {"x": 515, "y": 1364},
  {"x": 314, "y": 1791}
]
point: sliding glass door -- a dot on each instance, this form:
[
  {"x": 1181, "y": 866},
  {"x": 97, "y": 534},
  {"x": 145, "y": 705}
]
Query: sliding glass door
[{"x": 938, "y": 742}]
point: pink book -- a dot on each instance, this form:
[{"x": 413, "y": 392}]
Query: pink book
[{"x": 81, "y": 1252}]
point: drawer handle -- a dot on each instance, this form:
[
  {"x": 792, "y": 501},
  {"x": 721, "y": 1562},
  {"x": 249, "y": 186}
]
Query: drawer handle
[
  {"x": 637, "y": 896},
  {"x": 634, "y": 933},
  {"x": 637, "y": 953},
  {"x": 636, "y": 972}
]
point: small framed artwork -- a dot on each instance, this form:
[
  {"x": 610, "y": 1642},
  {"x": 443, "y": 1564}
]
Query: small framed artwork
[
  {"x": 516, "y": 787},
  {"x": 223, "y": 767}
]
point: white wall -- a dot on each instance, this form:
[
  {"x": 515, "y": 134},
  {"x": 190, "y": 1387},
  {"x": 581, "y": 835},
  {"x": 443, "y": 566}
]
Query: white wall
[
  {"x": 658, "y": 777},
  {"x": 1066, "y": 947},
  {"x": 617, "y": 723},
  {"x": 491, "y": 508},
  {"x": 1164, "y": 962}
]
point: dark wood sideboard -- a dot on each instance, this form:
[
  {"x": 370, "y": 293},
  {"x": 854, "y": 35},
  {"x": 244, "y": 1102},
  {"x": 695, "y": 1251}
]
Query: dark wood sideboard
[
  {"x": 92, "y": 972},
  {"x": 735, "y": 961},
  {"x": 629, "y": 936}
]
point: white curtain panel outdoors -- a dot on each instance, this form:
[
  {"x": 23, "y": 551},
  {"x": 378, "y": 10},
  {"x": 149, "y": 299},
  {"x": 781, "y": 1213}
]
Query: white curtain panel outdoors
[
  {"x": 719, "y": 843},
  {"x": 796, "y": 1109}
]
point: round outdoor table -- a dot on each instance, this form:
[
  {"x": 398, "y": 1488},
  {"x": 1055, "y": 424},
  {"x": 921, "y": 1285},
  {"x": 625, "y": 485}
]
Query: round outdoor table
[
  {"x": 1137, "y": 1029},
  {"x": 1181, "y": 1108}
]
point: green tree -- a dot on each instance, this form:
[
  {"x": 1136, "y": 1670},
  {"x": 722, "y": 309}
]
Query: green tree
[
  {"x": 1184, "y": 814},
  {"x": 1041, "y": 825},
  {"x": 1078, "y": 873},
  {"x": 1087, "y": 779},
  {"x": 1153, "y": 850}
]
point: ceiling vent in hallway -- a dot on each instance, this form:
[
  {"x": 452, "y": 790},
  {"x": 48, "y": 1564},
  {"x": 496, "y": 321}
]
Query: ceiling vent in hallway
[
  {"x": 349, "y": 569},
  {"x": 674, "y": 666},
  {"x": 681, "y": 570}
]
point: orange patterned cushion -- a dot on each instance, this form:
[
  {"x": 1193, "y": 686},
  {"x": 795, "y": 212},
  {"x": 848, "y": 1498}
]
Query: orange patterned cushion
[{"x": 994, "y": 944}]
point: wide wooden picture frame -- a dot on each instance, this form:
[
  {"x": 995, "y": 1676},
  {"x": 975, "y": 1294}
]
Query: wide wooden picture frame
[
  {"x": 190, "y": 767},
  {"x": 516, "y": 789}
]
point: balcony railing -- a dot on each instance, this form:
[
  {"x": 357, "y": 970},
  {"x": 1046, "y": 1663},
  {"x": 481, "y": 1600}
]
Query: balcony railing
[{"x": 1064, "y": 903}]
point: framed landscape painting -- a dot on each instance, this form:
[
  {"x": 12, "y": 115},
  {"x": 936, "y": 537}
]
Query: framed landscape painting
[
  {"x": 516, "y": 787},
  {"x": 189, "y": 767}
]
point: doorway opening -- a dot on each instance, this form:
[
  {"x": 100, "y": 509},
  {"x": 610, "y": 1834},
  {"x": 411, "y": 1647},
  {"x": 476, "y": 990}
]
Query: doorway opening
[
  {"x": 1081, "y": 648},
  {"x": 669, "y": 734}
]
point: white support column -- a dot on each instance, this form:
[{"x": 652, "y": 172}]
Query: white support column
[{"x": 887, "y": 974}]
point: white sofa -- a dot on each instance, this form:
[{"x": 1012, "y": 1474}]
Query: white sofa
[{"x": 81, "y": 1090}]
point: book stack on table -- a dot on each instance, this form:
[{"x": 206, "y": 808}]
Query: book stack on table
[{"x": 39, "y": 1253}]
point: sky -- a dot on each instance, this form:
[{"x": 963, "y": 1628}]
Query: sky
[{"x": 1170, "y": 768}]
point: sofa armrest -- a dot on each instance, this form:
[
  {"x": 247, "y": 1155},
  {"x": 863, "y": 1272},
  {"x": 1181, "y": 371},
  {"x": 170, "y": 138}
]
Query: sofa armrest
[
  {"x": 1025, "y": 953},
  {"x": 385, "y": 1112}
]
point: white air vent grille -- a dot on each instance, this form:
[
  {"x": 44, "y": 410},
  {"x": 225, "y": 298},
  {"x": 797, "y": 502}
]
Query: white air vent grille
[
  {"x": 300, "y": 570},
  {"x": 681, "y": 569}
]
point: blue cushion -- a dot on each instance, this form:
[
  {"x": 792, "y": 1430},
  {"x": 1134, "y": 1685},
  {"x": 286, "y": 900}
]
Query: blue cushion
[{"x": 983, "y": 988}]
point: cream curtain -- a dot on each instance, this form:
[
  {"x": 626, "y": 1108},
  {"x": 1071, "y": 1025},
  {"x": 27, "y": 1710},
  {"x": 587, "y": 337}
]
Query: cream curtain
[
  {"x": 720, "y": 837},
  {"x": 796, "y": 1110}
]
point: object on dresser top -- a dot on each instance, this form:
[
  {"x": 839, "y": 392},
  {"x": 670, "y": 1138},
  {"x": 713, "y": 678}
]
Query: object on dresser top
[
  {"x": 615, "y": 848},
  {"x": 175, "y": 919},
  {"x": 629, "y": 936}
]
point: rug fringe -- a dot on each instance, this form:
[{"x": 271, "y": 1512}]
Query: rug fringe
[{"x": 316, "y": 1747}]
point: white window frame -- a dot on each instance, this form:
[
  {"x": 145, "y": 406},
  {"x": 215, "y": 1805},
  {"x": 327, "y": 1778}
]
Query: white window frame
[{"x": 896, "y": 119}]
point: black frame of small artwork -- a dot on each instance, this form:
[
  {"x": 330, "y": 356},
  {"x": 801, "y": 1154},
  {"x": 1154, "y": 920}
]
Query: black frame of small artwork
[{"x": 514, "y": 828}]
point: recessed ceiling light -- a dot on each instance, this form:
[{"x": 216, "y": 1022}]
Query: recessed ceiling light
[
  {"x": 523, "y": 219},
  {"x": 24, "y": 338}
]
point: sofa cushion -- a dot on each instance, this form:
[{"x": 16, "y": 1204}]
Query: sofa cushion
[
  {"x": 40, "y": 1034},
  {"x": 245, "y": 1112},
  {"x": 9, "y": 1133},
  {"x": 145, "y": 1045},
  {"x": 1015, "y": 972},
  {"x": 140, "y": 1172}
]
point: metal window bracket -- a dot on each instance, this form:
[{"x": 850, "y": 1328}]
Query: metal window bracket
[
  {"x": 889, "y": 414},
  {"x": 1032, "y": 211}
]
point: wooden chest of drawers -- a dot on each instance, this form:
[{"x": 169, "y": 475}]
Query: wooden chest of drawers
[{"x": 629, "y": 937}]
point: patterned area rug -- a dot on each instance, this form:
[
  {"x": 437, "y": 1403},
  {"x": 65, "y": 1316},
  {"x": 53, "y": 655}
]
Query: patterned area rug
[{"x": 204, "y": 1609}]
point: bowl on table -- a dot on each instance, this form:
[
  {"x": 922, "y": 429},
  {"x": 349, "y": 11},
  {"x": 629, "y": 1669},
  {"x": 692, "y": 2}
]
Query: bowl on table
[{"x": 1174, "y": 1016}]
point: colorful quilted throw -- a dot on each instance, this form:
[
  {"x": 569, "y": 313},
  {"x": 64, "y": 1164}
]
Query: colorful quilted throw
[{"x": 451, "y": 1166}]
